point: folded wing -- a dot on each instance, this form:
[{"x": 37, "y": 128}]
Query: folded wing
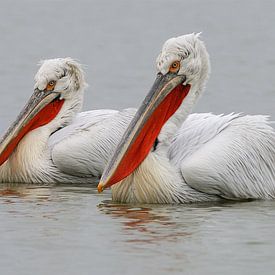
[
  {"x": 231, "y": 156},
  {"x": 84, "y": 147}
]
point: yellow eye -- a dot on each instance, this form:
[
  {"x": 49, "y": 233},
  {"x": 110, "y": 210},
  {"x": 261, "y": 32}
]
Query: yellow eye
[
  {"x": 51, "y": 85},
  {"x": 175, "y": 66}
]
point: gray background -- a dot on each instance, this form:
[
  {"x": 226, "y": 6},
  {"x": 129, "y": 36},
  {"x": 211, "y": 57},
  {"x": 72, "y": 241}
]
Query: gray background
[{"x": 118, "y": 42}]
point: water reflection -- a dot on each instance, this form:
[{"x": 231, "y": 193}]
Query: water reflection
[
  {"x": 44, "y": 191},
  {"x": 10, "y": 191},
  {"x": 145, "y": 223}
]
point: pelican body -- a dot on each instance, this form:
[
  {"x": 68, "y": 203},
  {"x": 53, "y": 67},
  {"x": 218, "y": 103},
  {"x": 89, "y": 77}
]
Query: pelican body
[
  {"x": 51, "y": 141},
  {"x": 169, "y": 156}
]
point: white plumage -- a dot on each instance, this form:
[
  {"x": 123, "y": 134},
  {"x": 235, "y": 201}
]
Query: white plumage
[
  {"x": 200, "y": 157},
  {"x": 234, "y": 159}
]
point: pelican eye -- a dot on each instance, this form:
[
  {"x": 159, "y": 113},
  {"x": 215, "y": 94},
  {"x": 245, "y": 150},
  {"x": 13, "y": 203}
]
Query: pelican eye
[
  {"x": 51, "y": 85},
  {"x": 175, "y": 66}
]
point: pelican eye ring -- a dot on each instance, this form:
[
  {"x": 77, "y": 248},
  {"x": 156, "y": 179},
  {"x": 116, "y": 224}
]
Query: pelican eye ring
[
  {"x": 51, "y": 85},
  {"x": 175, "y": 67}
]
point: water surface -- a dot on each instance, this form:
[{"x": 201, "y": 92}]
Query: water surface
[{"x": 60, "y": 229}]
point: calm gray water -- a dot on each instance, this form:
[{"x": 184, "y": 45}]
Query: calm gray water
[{"x": 72, "y": 229}]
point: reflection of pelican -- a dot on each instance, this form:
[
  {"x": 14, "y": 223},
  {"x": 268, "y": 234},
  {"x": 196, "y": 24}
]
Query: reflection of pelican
[
  {"x": 50, "y": 141},
  {"x": 209, "y": 157},
  {"x": 14, "y": 193},
  {"x": 154, "y": 224},
  {"x": 136, "y": 216}
]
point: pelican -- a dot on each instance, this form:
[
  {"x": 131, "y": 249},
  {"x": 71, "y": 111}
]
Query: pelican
[
  {"x": 50, "y": 141},
  {"x": 166, "y": 156}
]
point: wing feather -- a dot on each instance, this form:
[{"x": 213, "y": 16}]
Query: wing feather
[
  {"x": 231, "y": 156},
  {"x": 84, "y": 147}
]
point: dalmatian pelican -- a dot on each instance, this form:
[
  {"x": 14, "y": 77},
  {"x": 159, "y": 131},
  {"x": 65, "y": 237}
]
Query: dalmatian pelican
[
  {"x": 51, "y": 141},
  {"x": 166, "y": 156}
]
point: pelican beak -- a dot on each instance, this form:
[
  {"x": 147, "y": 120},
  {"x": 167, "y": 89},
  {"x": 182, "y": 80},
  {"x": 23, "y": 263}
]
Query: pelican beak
[
  {"x": 162, "y": 101},
  {"x": 42, "y": 107}
]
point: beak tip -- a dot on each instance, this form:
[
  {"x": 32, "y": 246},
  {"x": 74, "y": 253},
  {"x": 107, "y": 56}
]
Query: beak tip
[{"x": 100, "y": 187}]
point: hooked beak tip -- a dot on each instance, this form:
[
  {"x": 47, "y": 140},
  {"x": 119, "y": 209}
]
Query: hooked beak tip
[{"x": 100, "y": 187}]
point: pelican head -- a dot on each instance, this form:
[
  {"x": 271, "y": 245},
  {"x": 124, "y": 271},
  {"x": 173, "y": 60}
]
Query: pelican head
[
  {"x": 58, "y": 95},
  {"x": 182, "y": 70},
  {"x": 62, "y": 76},
  {"x": 187, "y": 56}
]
